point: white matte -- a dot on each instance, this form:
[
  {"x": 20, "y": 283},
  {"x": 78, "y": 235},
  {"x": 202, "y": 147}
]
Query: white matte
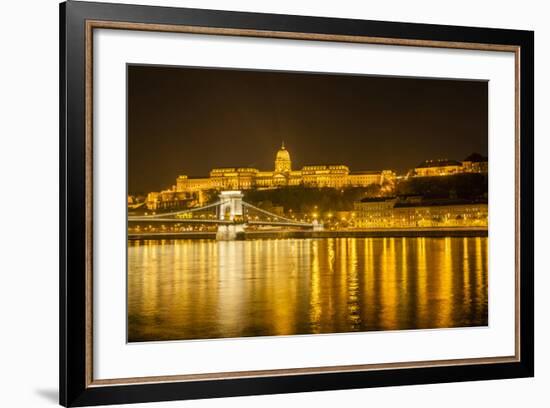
[{"x": 114, "y": 358}]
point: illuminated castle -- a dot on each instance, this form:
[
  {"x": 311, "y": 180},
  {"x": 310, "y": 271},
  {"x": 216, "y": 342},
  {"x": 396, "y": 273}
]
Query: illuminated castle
[{"x": 315, "y": 176}]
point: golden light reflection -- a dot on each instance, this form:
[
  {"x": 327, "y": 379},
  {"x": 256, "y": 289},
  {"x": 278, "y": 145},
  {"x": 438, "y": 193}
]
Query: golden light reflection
[
  {"x": 285, "y": 303},
  {"x": 446, "y": 289},
  {"x": 421, "y": 283},
  {"x": 353, "y": 285},
  {"x": 315, "y": 296},
  {"x": 404, "y": 268},
  {"x": 198, "y": 289},
  {"x": 466, "y": 274},
  {"x": 389, "y": 287},
  {"x": 480, "y": 271},
  {"x": 368, "y": 282}
]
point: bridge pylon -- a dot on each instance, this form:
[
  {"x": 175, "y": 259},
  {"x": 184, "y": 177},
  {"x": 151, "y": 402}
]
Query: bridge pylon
[
  {"x": 231, "y": 205},
  {"x": 230, "y": 232}
]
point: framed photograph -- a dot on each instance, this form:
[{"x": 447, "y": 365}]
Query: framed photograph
[{"x": 256, "y": 204}]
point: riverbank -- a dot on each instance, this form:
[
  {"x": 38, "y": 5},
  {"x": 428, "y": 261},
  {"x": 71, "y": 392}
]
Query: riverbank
[{"x": 363, "y": 233}]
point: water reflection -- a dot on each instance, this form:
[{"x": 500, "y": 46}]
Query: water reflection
[{"x": 189, "y": 289}]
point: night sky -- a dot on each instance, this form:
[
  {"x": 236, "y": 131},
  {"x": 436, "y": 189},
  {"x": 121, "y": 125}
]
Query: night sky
[{"x": 188, "y": 120}]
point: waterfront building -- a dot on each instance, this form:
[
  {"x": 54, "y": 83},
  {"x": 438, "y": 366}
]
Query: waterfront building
[
  {"x": 374, "y": 212},
  {"x": 400, "y": 212}
]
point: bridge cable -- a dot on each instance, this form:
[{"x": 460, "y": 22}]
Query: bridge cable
[
  {"x": 177, "y": 212},
  {"x": 271, "y": 214}
]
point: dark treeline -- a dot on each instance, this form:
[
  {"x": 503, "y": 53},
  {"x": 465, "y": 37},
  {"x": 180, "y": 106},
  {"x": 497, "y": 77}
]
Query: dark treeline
[
  {"x": 303, "y": 199},
  {"x": 461, "y": 186}
]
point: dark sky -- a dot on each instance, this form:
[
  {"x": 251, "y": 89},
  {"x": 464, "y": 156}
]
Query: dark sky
[{"x": 189, "y": 120}]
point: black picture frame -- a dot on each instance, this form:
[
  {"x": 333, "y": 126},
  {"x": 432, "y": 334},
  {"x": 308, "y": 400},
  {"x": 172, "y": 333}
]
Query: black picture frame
[{"x": 75, "y": 387}]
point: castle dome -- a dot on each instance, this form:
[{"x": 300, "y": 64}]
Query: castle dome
[
  {"x": 282, "y": 154},
  {"x": 282, "y": 160}
]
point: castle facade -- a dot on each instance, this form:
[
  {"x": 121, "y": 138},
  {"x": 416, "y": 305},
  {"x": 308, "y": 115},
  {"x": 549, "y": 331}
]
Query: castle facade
[{"x": 282, "y": 175}]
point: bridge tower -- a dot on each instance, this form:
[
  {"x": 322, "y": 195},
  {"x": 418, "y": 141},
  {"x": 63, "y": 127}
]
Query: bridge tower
[{"x": 231, "y": 205}]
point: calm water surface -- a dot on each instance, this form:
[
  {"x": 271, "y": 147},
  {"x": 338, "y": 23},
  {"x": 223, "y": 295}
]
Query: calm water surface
[{"x": 190, "y": 289}]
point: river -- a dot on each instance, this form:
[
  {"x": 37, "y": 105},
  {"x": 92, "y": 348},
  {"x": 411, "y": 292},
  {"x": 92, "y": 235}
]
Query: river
[{"x": 201, "y": 289}]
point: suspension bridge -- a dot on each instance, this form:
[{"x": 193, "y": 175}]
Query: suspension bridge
[{"x": 230, "y": 213}]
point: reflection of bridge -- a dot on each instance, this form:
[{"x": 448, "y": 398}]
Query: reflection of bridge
[{"x": 232, "y": 215}]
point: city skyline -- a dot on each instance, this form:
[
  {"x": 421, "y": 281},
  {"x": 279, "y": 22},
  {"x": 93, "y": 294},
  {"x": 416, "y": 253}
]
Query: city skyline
[{"x": 187, "y": 109}]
